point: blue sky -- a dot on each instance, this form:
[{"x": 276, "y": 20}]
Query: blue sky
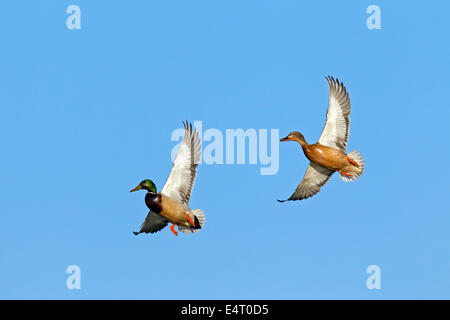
[{"x": 87, "y": 114}]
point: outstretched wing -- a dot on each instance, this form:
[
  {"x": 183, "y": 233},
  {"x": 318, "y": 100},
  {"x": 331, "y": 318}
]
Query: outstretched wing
[
  {"x": 335, "y": 132},
  {"x": 153, "y": 223},
  {"x": 180, "y": 182},
  {"x": 315, "y": 177}
]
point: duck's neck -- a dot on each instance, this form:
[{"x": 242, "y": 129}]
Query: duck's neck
[{"x": 303, "y": 143}]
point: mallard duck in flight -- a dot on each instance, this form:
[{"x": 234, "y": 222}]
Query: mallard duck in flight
[
  {"x": 172, "y": 203},
  {"x": 329, "y": 154}
]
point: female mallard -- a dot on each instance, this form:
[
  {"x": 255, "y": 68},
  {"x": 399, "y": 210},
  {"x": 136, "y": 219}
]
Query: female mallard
[
  {"x": 329, "y": 154},
  {"x": 172, "y": 203}
]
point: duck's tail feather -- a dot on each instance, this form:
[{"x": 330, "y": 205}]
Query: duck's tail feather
[
  {"x": 198, "y": 217},
  {"x": 355, "y": 171}
]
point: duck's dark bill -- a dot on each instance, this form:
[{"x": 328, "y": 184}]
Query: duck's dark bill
[
  {"x": 136, "y": 189},
  {"x": 285, "y": 139}
]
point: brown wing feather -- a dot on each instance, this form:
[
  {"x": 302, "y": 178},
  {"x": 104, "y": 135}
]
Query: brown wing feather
[
  {"x": 153, "y": 223},
  {"x": 181, "y": 179},
  {"x": 315, "y": 178},
  {"x": 335, "y": 131}
]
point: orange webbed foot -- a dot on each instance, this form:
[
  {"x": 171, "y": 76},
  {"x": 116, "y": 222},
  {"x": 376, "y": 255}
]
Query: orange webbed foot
[
  {"x": 190, "y": 220},
  {"x": 352, "y": 161},
  {"x": 172, "y": 228},
  {"x": 345, "y": 174}
]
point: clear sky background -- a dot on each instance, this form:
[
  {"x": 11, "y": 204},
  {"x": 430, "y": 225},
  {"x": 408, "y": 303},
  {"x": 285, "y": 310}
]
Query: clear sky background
[{"x": 87, "y": 114}]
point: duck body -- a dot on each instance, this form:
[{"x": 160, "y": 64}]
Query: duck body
[
  {"x": 329, "y": 154},
  {"x": 171, "y": 204},
  {"x": 168, "y": 208},
  {"x": 327, "y": 157}
]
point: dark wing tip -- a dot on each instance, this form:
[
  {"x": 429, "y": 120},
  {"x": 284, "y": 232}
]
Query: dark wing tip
[
  {"x": 187, "y": 126},
  {"x": 135, "y": 233},
  {"x": 332, "y": 82},
  {"x": 291, "y": 199}
]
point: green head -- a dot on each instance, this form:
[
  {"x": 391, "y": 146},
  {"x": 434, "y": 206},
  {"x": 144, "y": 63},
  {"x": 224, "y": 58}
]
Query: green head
[{"x": 147, "y": 185}]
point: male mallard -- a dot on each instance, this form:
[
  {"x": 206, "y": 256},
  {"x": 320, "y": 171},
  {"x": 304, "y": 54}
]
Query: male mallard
[
  {"x": 329, "y": 154},
  {"x": 172, "y": 203}
]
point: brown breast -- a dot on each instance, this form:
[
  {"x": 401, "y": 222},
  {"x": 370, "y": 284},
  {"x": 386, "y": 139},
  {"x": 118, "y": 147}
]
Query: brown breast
[{"x": 330, "y": 158}]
